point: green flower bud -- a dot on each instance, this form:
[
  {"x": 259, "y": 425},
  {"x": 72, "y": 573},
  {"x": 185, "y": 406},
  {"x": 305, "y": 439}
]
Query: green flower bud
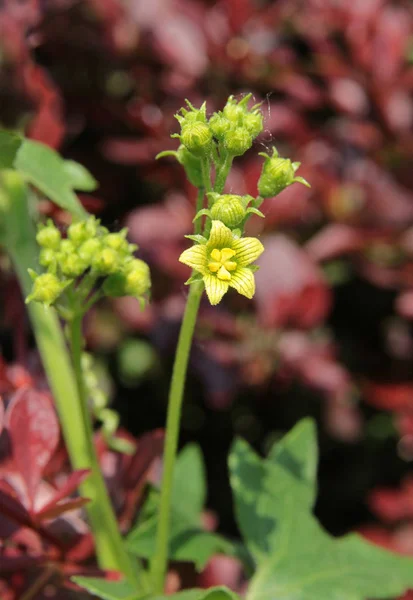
[
  {"x": 47, "y": 258},
  {"x": 67, "y": 247},
  {"x": 238, "y": 141},
  {"x": 197, "y": 138},
  {"x": 72, "y": 265},
  {"x": 219, "y": 126},
  {"x": 253, "y": 122},
  {"x": 233, "y": 112},
  {"x": 46, "y": 288},
  {"x": 138, "y": 280},
  {"x": 89, "y": 249},
  {"x": 191, "y": 115},
  {"x": 106, "y": 261},
  {"x": 49, "y": 237},
  {"x": 230, "y": 209},
  {"x": 83, "y": 230},
  {"x": 277, "y": 174},
  {"x": 117, "y": 241}
]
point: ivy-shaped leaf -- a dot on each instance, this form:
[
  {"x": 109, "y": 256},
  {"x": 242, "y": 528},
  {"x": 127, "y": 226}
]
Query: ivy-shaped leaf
[
  {"x": 108, "y": 590},
  {"x": 48, "y": 172},
  {"x": 258, "y": 486},
  {"x": 122, "y": 590},
  {"x": 297, "y": 559},
  {"x": 189, "y": 542}
]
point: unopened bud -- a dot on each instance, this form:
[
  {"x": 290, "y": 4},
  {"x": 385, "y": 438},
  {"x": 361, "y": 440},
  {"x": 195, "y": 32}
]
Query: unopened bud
[
  {"x": 46, "y": 288},
  {"x": 238, "y": 141},
  {"x": 49, "y": 237},
  {"x": 277, "y": 174},
  {"x": 197, "y": 138},
  {"x": 105, "y": 262}
]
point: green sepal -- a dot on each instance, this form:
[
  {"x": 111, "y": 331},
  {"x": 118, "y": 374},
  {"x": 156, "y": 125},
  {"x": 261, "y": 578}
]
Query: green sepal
[
  {"x": 194, "y": 278},
  {"x": 199, "y": 239},
  {"x": 255, "y": 211},
  {"x": 201, "y": 213}
]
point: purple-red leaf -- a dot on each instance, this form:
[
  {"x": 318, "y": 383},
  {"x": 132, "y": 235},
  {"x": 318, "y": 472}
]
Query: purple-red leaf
[
  {"x": 72, "y": 482},
  {"x": 34, "y": 434}
]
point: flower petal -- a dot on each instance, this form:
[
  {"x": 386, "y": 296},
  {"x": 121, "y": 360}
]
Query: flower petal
[
  {"x": 195, "y": 257},
  {"x": 243, "y": 281},
  {"x": 248, "y": 249},
  {"x": 215, "y": 288},
  {"x": 220, "y": 236}
]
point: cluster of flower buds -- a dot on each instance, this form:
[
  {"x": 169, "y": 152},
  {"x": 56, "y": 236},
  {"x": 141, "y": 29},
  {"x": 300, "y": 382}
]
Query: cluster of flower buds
[
  {"x": 221, "y": 256},
  {"x": 231, "y": 130},
  {"x": 91, "y": 249}
]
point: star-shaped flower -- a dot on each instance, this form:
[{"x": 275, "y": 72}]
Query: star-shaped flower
[{"x": 224, "y": 261}]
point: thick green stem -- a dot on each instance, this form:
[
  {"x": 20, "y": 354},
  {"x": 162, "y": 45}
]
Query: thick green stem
[
  {"x": 199, "y": 206},
  {"x": 160, "y": 559},
  {"x": 19, "y": 239},
  {"x": 206, "y": 175},
  {"x": 105, "y": 528},
  {"x": 223, "y": 174}
]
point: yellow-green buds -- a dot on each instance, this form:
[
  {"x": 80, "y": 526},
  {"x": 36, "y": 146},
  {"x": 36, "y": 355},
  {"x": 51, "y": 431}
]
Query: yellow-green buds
[
  {"x": 83, "y": 230},
  {"x": 197, "y": 138},
  {"x": 89, "y": 249},
  {"x": 238, "y": 141},
  {"x": 190, "y": 163},
  {"x": 137, "y": 278},
  {"x": 277, "y": 174},
  {"x": 49, "y": 236},
  {"x": 219, "y": 126},
  {"x": 134, "y": 280},
  {"x": 72, "y": 265},
  {"x": 105, "y": 262},
  {"x": 46, "y": 288},
  {"x": 229, "y": 208},
  {"x": 91, "y": 256}
]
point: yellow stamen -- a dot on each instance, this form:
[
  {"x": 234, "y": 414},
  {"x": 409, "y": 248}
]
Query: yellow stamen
[
  {"x": 221, "y": 263},
  {"x": 223, "y": 274},
  {"x": 216, "y": 255},
  {"x": 214, "y": 266}
]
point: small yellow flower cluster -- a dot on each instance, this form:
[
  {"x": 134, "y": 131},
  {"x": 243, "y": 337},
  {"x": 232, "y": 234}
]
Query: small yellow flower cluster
[{"x": 88, "y": 249}]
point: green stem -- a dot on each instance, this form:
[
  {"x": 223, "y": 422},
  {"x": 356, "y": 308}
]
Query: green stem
[
  {"x": 20, "y": 241},
  {"x": 223, "y": 174},
  {"x": 160, "y": 559},
  {"x": 199, "y": 206},
  {"x": 206, "y": 176},
  {"x": 104, "y": 524}
]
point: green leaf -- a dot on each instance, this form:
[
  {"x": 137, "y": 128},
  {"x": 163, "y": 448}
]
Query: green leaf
[
  {"x": 45, "y": 169},
  {"x": 9, "y": 144},
  {"x": 297, "y": 559},
  {"x": 189, "y": 489},
  {"x": 258, "y": 486},
  {"x": 217, "y": 593},
  {"x": 188, "y": 542},
  {"x": 108, "y": 590},
  {"x": 297, "y": 453},
  {"x": 79, "y": 176}
]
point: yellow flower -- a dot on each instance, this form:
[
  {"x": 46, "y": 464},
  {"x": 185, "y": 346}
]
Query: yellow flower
[{"x": 224, "y": 261}]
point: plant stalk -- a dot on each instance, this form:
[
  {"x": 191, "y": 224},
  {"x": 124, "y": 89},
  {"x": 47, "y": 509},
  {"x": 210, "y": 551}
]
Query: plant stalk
[
  {"x": 160, "y": 559},
  {"x": 223, "y": 174},
  {"x": 104, "y": 524}
]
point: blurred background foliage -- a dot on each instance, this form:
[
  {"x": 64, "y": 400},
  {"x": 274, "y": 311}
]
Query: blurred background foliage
[{"x": 329, "y": 332}]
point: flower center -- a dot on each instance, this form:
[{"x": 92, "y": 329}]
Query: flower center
[{"x": 221, "y": 263}]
